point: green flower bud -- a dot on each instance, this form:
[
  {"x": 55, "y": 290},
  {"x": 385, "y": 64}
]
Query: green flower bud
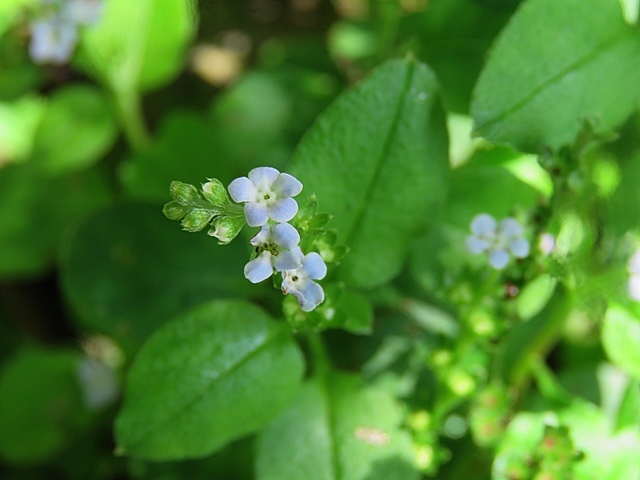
[
  {"x": 197, "y": 219},
  {"x": 215, "y": 193},
  {"x": 184, "y": 193},
  {"x": 226, "y": 229},
  {"x": 174, "y": 210}
]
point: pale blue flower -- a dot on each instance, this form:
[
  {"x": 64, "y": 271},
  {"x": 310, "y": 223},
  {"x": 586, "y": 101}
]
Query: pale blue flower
[
  {"x": 267, "y": 195},
  {"x": 99, "y": 383},
  {"x": 497, "y": 240},
  {"x": 82, "y": 12},
  {"x": 277, "y": 248},
  {"x": 300, "y": 282},
  {"x": 52, "y": 40}
]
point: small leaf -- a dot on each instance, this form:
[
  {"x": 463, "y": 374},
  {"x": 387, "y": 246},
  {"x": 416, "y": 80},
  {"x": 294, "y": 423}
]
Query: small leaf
[
  {"x": 39, "y": 395},
  {"x": 350, "y": 432},
  {"x": 548, "y": 72},
  {"x": 138, "y": 45},
  {"x": 378, "y": 161},
  {"x": 214, "y": 374},
  {"x": 76, "y": 130},
  {"x": 621, "y": 337}
]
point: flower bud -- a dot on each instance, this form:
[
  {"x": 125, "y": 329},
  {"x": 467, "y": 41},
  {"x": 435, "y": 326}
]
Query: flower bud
[
  {"x": 215, "y": 193},
  {"x": 184, "y": 193},
  {"x": 226, "y": 229},
  {"x": 197, "y": 219},
  {"x": 174, "y": 210}
]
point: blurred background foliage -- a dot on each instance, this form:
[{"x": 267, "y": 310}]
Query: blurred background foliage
[{"x": 89, "y": 267}]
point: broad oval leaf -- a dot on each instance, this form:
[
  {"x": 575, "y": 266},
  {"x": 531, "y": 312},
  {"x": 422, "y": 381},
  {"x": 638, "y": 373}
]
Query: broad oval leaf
[
  {"x": 621, "y": 337},
  {"x": 138, "y": 45},
  {"x": 349, "y": 432},
  {"x": 76, "y": 130},
  {"x": 128, "y": 270},
  {"x": 212, "y": 375},
  {"x": 378, "y": 161},
  {"x": 39, "y": 398},
  {"x": 554, "y": 66}
]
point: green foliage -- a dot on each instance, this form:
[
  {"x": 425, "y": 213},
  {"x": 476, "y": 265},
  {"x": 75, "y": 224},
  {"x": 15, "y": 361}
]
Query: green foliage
[
  {"x": 349, "y": 433},
  {"x": 379, "y": 164},
  {"x": 538, "y": 87},
  {"x": 39, "y": 404},
  {"x": 212, "y": 375},
  {"x": 411, "y": 302}
]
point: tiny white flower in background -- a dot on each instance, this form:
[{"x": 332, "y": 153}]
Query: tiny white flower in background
[
  {"x": 52, "y": 40},
  {"x": 497, "y": 240},
  {"x": 267, "y": 195},
  {"x": 633, "y": 267},
  {"x": 277, "y": 247},
  {"x": 82, "y": 12},
  {"x": 547, "y": 243},
  {"x": 299, "y": 282},
  {"x": 99, "y": 383}
]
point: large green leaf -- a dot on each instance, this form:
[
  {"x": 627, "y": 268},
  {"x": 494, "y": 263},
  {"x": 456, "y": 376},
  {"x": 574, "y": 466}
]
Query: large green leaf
[
  {"x": 38, "y": 396},
  {"x": 621, "y": 338},
  {"x": 214, "y": 374},
  {"x": 377, "y": 160},
  {"x": 36, "y": 211},
  {"x": 337, "y": 430},
  {"x": 76, "y": 130},
  {"x": 138, "y": 45},
  {"x": 556, "y": 64},
  {"x": 129, "y": 269}
]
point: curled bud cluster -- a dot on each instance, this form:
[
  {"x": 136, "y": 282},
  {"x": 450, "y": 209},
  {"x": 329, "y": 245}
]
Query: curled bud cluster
[
  {"x": 54, "y": 33},
  {"x": 262, "y": 199},
  {"x": 497, "y": 240}
]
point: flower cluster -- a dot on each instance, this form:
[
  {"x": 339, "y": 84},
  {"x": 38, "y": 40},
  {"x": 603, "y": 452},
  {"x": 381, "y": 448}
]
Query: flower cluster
[
  {"x": 633, "y": 267},
  {"x": 54, "y": 35},
  {"x": 267, "y": 197},
  {"x": 497, "y": 240},
  {"x": 262, "y": 199}
]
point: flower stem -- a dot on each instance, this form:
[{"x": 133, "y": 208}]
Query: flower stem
[
  {"x": 322, "y": 364},
  {"x": 133, "y": 124}
]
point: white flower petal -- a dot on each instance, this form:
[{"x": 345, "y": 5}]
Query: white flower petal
[
  {"x": 520, "y": 248},
  {"x": 286, "y": 186},
  {"x": 634, "y": 287},
  {"x": 283, "y": 210},
  {"x": 288, "y": 260},
  {"x": 310, "y": 296},
  {"x": 498, "y": 259},
  {"x": 285, "y": 235},
  {"x": 242, "y": 190},
  {"x": 483, "y": 224},
  {"x": 256, "y": 214},
  {"x": 475, "y": 244},
  {"x": 314, "y": 266},
  {"x": 52, "y": 41},
  {"x": 634, "y": 263},
  {"x": 511, "y": 228},
  {"x": 259, "y": 268},
  {"x": 262, "y": 237},
  {"x": 263, "y": 177},
  {"x": 547, "y": 243}
]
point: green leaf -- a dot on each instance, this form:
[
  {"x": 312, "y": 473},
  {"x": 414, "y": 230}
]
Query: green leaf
[
  {"x": 39, "y": 394},
  {"x": 555, "y": 65},
  {"x": 621, "y": 337},
  {"x": 624, "y": 206},
  {"x": 19, "y": 122},
  {"x": 214, "y": 374},
  {"x": 76, "y": 130},
  {"x": 128, "y": 270},
  {"x": 10, "y": 10},
  {"x": 338, "y": 430},
  {"x": 138, "y": 45},
  {"x": 36, "y": 211},
  {"x": 377, "y": 160}
]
